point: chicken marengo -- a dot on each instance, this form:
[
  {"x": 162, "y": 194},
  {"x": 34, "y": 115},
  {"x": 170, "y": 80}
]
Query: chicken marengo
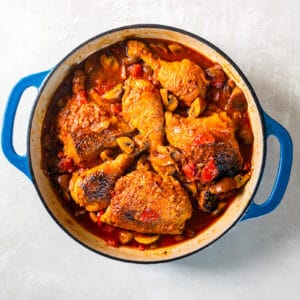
[{"x": 147, "y": 143}]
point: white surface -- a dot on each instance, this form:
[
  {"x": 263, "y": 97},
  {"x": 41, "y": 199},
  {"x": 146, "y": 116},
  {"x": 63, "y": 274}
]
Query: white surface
[{"x": 257, "y": 259}]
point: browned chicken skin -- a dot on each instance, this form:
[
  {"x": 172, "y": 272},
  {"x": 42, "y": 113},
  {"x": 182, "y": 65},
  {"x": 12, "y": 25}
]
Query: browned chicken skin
[
  {"x": 142, "y": 108},
  {"x": 92, "y": 188},
  {"x": 148, "y": 203},
  {"x": 182, "y": 126},
  {"x": 86, "y": 128},
  {"x": 181, "y": 132},
  {"x": 189, "y": 135},
  {"x": 185, "y": 79}
]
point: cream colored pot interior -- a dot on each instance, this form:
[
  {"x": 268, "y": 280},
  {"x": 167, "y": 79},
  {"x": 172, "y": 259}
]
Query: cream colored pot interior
[{"x": 68, "y": 222}]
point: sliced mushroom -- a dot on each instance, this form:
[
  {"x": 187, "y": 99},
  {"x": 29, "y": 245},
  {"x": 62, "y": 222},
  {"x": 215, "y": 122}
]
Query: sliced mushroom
[
  {"x": 228, "y": 87},
  {"x": 175, "y": 154},
  {"x": 170, "y": 102},
  {"x": 164, "y": 96},
  {"x": 125, "y": 236},
  {"x": 197, "y": 107},
  {"x": 163, "y": 156},
  {"x": 141, "y": 142},
  {"x": 94, "y": 206},
  {"x": 175, "y": 48},
  {"x": 109, "y": 63},
  {"x": 224, "y": 185},
  {"x": 241, "y": 179},
  {"x": 63, "y": 181},
  {"x": 207, "y": 201},
  {"x": 106, "y": 155},
  {"x": 173, "y": 103},
  {"x": 143, "y": 164},
  {"x": 114, "y": 94},
  {"x": 237, "y": 100},
  {"x": 131, "y": 60},
  {"x": 146, "y": 239},
  {"x": 126, "y": 144},
  {"x": 220, "y": 208},
  {"x": 192, "y": 187},
  {"x": 217, "y": 75}
]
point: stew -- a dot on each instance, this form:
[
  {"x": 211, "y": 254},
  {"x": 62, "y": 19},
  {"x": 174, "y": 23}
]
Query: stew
[{"x": 147, "y": 143}]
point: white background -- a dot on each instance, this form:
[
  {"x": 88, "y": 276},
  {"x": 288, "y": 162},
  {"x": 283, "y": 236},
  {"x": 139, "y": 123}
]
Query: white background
[{"x": 257, "y": 259}]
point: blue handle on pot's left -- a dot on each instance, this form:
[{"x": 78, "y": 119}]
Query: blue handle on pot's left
[
  {"x": 19, "y": 161},
  {"x": 284, "y": 169}
]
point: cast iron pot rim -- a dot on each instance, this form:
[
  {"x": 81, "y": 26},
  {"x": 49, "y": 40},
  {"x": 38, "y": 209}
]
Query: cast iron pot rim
[{"x": 174, "y": 29}]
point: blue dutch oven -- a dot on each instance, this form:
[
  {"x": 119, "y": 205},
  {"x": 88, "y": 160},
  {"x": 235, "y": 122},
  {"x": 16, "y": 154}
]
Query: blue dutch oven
[{"x": 242, "y": 208}]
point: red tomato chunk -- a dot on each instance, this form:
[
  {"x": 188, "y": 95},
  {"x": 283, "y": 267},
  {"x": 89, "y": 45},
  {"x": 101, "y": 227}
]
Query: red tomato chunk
[
  {"x": 135, "y": 70},
  {"x": 189, "y": 170},
  {"x": 209, "y": 172}
]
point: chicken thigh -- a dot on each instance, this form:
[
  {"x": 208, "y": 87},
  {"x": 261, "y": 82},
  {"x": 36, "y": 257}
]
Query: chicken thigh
[
  {"x": 201, "y": 140},
  {"x": 146, "y": 202},
  {"x": 185, "y": 79},
  {"x": 85, "y": 127}
]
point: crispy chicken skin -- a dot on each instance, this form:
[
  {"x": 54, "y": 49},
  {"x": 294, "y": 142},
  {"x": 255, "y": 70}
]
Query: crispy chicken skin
[
  {"x": 86, "y": 128},
  {"x": 148, "y": 203},
  {"x": 92, "y": 188},
  {"x": 185, "y": 79},
  {"x": 187, "y": 134}
]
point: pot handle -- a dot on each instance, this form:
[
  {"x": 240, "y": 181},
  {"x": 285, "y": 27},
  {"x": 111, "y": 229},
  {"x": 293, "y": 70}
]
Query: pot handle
[
  {"x": 283, "y": 173},
  {"x": 19, "y": 161}
]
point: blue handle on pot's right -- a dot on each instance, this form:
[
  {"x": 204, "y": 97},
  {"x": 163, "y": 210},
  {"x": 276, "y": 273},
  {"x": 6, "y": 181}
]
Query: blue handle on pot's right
[
  {"x": 19, "y": 161},
  {"x": 284, "y": 169}
]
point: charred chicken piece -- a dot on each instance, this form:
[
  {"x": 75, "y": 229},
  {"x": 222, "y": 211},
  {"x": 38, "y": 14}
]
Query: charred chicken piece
[
  {"x": 208, "y": 139},
  {"x": 146, "y": 202},
  {"x": 185, "y": 79},
  {"x": 92, "y": 188},
  {"x": 213, "y": 197}
]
